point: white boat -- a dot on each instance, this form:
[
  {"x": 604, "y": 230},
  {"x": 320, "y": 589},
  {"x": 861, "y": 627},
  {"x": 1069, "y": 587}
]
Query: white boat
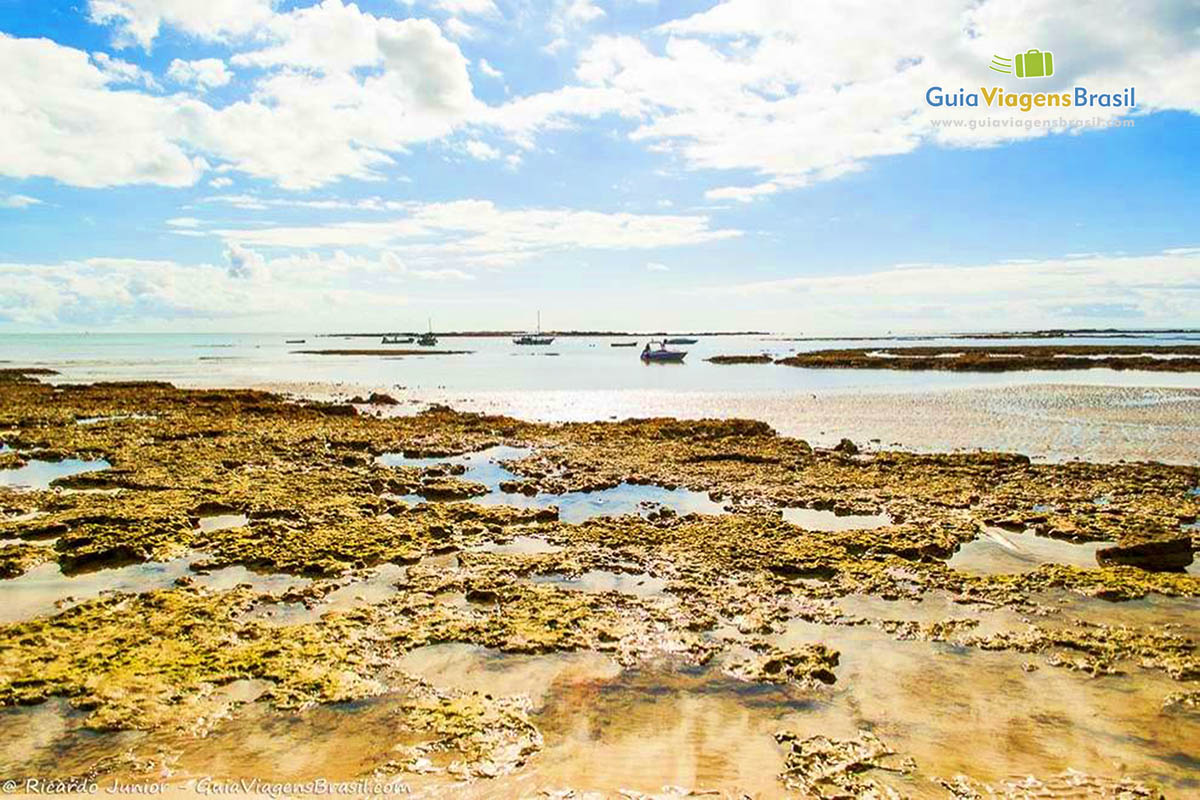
[
  {"x": 538, "y": 338},
  {"x": 428, "y": 339}
]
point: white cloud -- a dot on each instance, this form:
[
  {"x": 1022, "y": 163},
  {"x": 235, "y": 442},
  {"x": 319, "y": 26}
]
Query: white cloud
[
  {"x": 221, "y": 183},
  {"x": 257, "y": 203},
  {"x": 117, "y": 71},
  {"x": 184, "y": 222},
  {"x": 306, "y": 128},
  {"x": 459, "y": 29},
  {"x": 481, "y": 151},
  {"x": 655, "y": 266},
  {"x": 489, "y": 70},
  {"x": 60, "y": 118},
  {"x": 18, "y": 201},
  {"x": 743, "y": 194},
  {"x": 482, "y": 8},
  {"x": 798, "y": 93},
  {"x": 475, "y": 233},
  {"x": 582, "y": 11},
  {"x": 244, "y": 263},
  {"x": 207, "y": 73},
  {"x": 1160, "y": 288},
  {"x": 139, "y": 21}
]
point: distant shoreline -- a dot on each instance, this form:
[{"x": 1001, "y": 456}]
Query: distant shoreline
[{"x": 562, "y": 334}]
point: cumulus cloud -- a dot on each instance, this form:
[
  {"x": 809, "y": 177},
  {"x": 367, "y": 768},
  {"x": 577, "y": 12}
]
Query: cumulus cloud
[
  {"x": 798, "y": 93},
  {"x": 244, "y": 262},
  {"x": 481, "y": 150},
  {"x": 61, "y": 118},
  {"x": 206, "y": 73},
  {"x": 655, "y": 266},
  {"x": 138, "y": 22},
  {"x": 118, "y": 71}
]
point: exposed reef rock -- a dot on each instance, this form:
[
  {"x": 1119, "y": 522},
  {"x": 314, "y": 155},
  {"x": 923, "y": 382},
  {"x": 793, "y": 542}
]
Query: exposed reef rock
[{"x": 370, "y": 562}]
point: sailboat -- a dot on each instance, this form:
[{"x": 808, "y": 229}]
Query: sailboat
[
  {"x": 534, "y": 338},
  {"x": 428, "y": 339}
]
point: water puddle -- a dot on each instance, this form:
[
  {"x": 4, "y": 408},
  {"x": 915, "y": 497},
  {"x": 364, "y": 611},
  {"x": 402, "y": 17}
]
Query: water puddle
[
  {"x": 646, "y": 730},
  {"x": 377, "y": 587},
  {"x": 111, "y": 418},
  {"x": 814, "y": 519},
  {"x": 992, "y": 719},
  {"x": 932, "y": 608},
  {"x": 470, "y": 668},
  {"x": 45, "y": 589},
  {"x": 573, "y": 507},
  {"x": 596, "y": 581},
  {"x": 48, "y": 740},
  {"x": 40, "y": 474},
  {"x": 219, "y": 522},
  {"x": 998, "y": 551},
  {"x": 518, "y": 546}
]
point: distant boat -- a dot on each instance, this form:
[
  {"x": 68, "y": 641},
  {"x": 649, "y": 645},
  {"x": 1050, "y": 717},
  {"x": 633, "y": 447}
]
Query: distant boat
[
  {"x": 428, "y": 339},
  {"x": 396, "y": 340},
  {"x": 534, "y": 338},
  {"x": 681, "y": 340},
  {"x": 661, "y": 353},
  {"x": 623, "y": 344}
]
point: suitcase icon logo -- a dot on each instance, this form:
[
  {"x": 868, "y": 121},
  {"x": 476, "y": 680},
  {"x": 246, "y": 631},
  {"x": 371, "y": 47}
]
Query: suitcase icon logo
[{"x": 1030, "y": 64}]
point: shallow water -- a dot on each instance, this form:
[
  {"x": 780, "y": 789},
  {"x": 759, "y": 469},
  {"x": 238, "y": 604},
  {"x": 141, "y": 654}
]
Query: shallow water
[
  {"x": 45, "y": 589},
  {"x": 641, "y": 730},
  {"x": 518, "y": 546},
  {"x": 40, "y": 474},
  {"x": 815, "y": 519},
  {"x": 991, "y": 719},
  {"x": 219, "y": 522},
  {"x": 997, "y": 551},
  {"x": 574, "y": 507},
  {"x": 596, "y": 581},
  {"x": 1095, "y": 414},
  {"x": 376, "y": 587}
]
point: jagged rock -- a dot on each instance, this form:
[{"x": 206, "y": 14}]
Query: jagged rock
[
  {"x": 1169, "y": 555},
  {"x": 846, "y": 446}
]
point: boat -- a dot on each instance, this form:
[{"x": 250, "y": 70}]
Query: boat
[
  {"x": 623, "y": 344},
  {"x": 428, "y": 339},
  {"x": 681, "y": 340},
  {"x": 396, "y": 340},
  {"x": 538, "y": 338},
  {"x": 661, "y": 353}
]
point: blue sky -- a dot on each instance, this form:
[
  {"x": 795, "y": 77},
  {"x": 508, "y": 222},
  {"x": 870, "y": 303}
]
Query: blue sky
[{"x": 249, "y": 165}]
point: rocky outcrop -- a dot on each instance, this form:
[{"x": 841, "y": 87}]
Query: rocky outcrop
[{"x": 1166, "y": 555}]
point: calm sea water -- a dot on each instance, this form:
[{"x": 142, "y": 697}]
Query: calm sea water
[
  {"x": 1098, "y": 414},
  {"x": 495, "y": 364}
]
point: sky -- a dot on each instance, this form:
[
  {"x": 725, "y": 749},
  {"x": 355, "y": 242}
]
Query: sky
[{"x": 252, "y": 165}]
